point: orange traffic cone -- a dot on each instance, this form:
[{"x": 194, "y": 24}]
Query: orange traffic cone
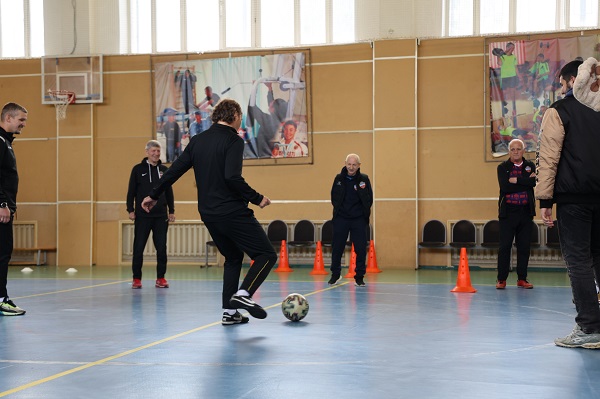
[
  {"x": 352, "y": 268},
  {"x": 463, "y": 281},
  {"x": 284, "y": 264},
  {"x": 372, "y": 262},
  {"x": 319, "y": 266}
]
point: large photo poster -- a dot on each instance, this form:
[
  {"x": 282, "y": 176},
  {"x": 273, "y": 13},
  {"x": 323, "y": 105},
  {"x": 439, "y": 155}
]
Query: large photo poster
[
  {"x": 271, "y": 89},
  {"x": 524, "y": 82}
]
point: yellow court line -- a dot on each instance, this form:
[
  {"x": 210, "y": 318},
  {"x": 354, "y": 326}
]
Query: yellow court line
[
  {"x": 131, "y": 351},
  {"x": 70, "y": 290}
]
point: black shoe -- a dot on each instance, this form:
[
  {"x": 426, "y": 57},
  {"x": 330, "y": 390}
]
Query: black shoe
[
  {"x": 236, "y": 318},
  {"x": 359, "y": 281},
  {"x": 335, "y": 277},
  {"x": 246, "y": 303}
]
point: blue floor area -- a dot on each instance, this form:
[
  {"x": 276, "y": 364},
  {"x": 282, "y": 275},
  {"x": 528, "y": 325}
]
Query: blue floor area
[{"x": 404, "y": 335}]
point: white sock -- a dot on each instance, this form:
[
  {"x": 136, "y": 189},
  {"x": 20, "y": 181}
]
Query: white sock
[
  {"x": 242, "y": 293},
  {"x": 2, "y": 299},
  {"x": 230, "y": 312}
]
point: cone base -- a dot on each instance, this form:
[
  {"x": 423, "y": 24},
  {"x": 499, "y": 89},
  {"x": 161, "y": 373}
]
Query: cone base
[
  {"x": 469, "y": 290},
  {"x": 282, "y": 270},
  {"x": 373, "y": 271},
  {"x": 318, "y": 272}
]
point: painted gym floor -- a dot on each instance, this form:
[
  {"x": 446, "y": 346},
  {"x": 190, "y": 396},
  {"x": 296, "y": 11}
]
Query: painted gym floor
[{"x": 87, "y": 334}]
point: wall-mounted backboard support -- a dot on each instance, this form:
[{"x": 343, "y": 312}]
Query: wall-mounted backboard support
[{"x": 79, "y": 74}]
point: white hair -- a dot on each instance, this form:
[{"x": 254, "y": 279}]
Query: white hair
[{"x": 355, "y": 156}]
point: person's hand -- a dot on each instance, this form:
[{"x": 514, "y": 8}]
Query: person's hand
[
  {"x": 532, "y": 174},
  {"x": 171, "y": 217},
  {"x": 148, "y": 203},
  {"x": 512, "y": 180},
  {"x": 269, "y": 85},
  {"x": 131, "y": 215},
  {"x": 265, "y": 201},
  {"x": 4, "y": 215},
  {"x": 547, "y": 217}
]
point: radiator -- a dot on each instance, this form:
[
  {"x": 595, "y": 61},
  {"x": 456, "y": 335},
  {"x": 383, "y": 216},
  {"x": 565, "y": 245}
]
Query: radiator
[
  {"x": 25, "y": 234},
  {"x": 186, "y": 244}
]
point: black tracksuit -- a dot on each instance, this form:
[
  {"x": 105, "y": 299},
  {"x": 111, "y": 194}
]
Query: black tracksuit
[
  {"x": 352, "y": 198},
  {"x": 223, "y": 196},
  {"x": 143, "y": 177},
  {"x": 9, "y": 183}
]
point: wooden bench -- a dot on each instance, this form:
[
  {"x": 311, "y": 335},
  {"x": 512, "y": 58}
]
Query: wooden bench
[{"x": 38, "y": 260}]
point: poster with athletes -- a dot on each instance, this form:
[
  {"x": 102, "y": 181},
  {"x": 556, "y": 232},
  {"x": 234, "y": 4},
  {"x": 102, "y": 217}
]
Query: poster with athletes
[
  {"x": 272, "y": 90},
  {"x": 524, "y": 82}
]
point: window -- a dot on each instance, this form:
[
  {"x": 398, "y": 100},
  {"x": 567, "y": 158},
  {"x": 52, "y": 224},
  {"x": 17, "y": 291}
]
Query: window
[
  {"x": 141, "y": 26},
  {"x": 312, "y": 22},
  {"x": 583, "y": 13},
  {"x": 36, "y": 28},
  {"x": 12, "y": 23},
  {"x": 168, "y": 26},
  {"x": 203, "y": 32},
  {"x": 493, "y": 16},
  {"x": 536, "y": 15},
  {"x": 460, "y": 21},
  {"x": 277, "y": 23},
  {"x": 343, "y": 30},
  {"x": 238, "y": 20}
]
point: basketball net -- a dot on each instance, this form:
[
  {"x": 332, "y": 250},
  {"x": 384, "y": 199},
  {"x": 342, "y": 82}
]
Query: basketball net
[{"x": 61, "y": 100}]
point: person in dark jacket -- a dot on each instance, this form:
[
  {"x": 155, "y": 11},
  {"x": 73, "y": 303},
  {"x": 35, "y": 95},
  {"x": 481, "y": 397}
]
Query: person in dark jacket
[
  {"x": 143, "y": 177},
  {"x": 12, "y": 120},
  {"x": 568, "y": 175},
  {"x": 516, "y": 209},
  {"x": 216, "y": 156},
  {"x": 352, "y": 198}
]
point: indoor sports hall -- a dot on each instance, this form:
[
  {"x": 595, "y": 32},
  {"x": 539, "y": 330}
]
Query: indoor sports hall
[{"x": 411, "y": 86}]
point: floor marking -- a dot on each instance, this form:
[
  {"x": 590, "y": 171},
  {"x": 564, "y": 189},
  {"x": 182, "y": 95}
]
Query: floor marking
[
  {"x": 105, "y": 360},
  {"x": 70, "y": 290},
  {"x": 131, "y": 351}
]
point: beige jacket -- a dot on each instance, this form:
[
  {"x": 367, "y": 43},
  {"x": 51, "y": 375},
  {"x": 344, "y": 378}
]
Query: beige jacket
[{"x": 550, "y": 145}]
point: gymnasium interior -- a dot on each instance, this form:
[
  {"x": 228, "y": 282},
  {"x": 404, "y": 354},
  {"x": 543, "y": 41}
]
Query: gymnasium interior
[{"x": 405, "y": 84}]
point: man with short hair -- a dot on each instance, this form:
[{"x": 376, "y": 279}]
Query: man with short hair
[
  {"x": 568, "y": 173},
  {"x": 143, "y": 177},
  {"x": 216, "y": 156},
  {"x": 12, "y": 120},
  {"x": 516, "y": 209},
  {"x": 352, "y": 198}
]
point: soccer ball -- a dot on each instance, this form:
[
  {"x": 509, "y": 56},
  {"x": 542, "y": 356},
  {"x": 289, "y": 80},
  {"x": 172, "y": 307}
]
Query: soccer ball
[{"x": 294, "y": 307}]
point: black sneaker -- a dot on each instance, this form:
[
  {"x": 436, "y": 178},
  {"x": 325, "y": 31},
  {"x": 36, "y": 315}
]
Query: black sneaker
[
  {"x": 359, "y": 281},
  {"x": 335, "y": 277},
  {"x": 236, "y": 318},
  {"x": 8, "y": 308},
  {"x": 246, "y": 303}
]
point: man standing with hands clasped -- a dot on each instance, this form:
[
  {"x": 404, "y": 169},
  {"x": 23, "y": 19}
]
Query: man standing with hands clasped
[
  {"x": 516, "y": 209},
  {"x": 223, "y": 195}
]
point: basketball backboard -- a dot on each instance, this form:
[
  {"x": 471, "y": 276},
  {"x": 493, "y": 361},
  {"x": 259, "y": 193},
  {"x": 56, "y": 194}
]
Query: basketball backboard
[{"x": 79, "y": 74}]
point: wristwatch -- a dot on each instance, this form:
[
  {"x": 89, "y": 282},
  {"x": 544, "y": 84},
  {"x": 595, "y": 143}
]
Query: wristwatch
[{"x": 3, "y": 204}]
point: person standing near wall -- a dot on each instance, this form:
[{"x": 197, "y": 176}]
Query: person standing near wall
[
  {"x": 352, "y": 198},
  {"x": 12, "y": 120},
  {"x": 143, "y": 177},
  {"x": 569, "y": 176},
  {"x": 516, "y": 209},
  {"x": 216, "y": 156}
]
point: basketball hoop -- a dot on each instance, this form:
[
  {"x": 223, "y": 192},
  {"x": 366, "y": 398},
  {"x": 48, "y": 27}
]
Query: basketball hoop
[{"x": 61, "y": 100}]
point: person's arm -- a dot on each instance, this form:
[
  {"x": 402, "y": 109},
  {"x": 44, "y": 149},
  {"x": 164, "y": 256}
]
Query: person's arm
[
  {"x": 233, "y": 172},
  {"x": 170, "y": 203},
  {"x": 551, "y": 140},
  {"x": 130, "y": 201},
  {"x": 181, "y": 165},
  {"x": 513, "y": 184}
]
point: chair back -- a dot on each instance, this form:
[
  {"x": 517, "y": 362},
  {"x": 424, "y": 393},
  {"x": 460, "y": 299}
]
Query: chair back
[
  {"x": 327, "y": 233},
  {"x": 463, "y": 234},
  {"x": 304, "y": 233},
  {"x": 277, "y": 231},
  {"x": 434, "y": 234},
  {"x": 491, "y": 234}
]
